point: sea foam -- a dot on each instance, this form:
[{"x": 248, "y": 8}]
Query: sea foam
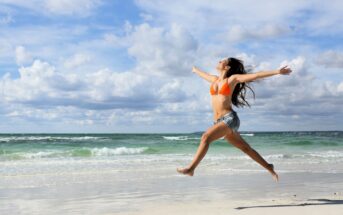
[{"x": 117, "y": 151}]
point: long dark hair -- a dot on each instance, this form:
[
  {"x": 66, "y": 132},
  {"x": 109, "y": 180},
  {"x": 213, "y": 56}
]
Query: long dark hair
[{"x": 237, "y": 67}]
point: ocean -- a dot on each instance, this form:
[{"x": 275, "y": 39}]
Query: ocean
[
  {"x": 286, "y": 149},
  {"x": 129, "y": 169}
]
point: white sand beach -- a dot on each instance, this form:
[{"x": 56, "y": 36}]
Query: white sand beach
[
  {"x": 162, "y": 191},
  {"x": 257, "y": 207}
]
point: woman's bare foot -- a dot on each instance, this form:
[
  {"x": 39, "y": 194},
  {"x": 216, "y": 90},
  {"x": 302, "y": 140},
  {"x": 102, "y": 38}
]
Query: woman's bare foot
[
  {"x": 274, "y": 174},
  {"x": 186, "y": 171}
]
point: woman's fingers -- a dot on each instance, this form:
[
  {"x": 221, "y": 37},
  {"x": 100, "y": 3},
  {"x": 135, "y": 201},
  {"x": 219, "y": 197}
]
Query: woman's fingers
[
  {"x": 193, "y": 69},
  {"x": 284, "y": 67},
  {"x": 285, "y": 70}
]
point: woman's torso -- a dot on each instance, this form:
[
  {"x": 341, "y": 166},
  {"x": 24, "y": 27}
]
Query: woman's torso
[{"x": 221, "y": 104}]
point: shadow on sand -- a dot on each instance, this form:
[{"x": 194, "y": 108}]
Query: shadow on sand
[{"x": 319, "y": 202}]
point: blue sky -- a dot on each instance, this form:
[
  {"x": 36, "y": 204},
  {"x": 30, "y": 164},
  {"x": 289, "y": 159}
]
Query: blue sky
[{"x": 125, "y": 66}]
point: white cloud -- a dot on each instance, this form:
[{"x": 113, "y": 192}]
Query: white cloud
[
  {"x": 238, "y": 33},
  {"x": 114, "y": 40},
  {"x": 284, "y": 95},
  {"x": 57, "y": 7},
  {"x": 76, "y": 60},
  {"x": 206, "y": 16},
  {"x": 41, "y": 86},
  {"x": 34, "y": 113},
  {"x": 22, "y": 56},
  {"x": 44, "y": 41},
  {"x": 66, "y": 7},
  {"x": 171, "y": 90},
  {"x": 158, "y": 51},
  {"x": 340, "y": 87},
  {"x": 331, "y": 59},
  {"x": 162, "y": 52},
  {"x": 83, "y": 122},
  {"x": 221, "y": 17},
  {"x": 127, "y": 98},
  {"x": 146, "y": 17},
  {"x": 323, "y": 19}
]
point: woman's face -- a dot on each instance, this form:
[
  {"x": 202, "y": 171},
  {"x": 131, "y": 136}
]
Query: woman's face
[{"x": 223, "y": 65}]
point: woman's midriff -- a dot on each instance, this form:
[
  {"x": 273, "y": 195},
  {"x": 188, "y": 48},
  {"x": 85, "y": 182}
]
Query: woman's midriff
[{"x": 221, "y": 105}]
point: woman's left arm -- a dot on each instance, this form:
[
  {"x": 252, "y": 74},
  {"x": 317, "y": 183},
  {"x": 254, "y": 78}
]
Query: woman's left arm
[
  {"x": 262, "y": 74},
  {"x": 282, "y": 71}
]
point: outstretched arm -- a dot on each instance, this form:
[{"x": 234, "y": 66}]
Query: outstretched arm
[
  {"x": 262, "y": 74},
  {"x": 204, "y": 75}
]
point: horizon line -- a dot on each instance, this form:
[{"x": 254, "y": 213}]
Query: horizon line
[{"x": 165, "y": 132}]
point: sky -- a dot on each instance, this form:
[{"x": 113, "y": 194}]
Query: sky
[{"x": 96, "y": 66}]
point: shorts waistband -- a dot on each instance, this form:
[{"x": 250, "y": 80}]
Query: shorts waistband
[{"x": 225, "y": 115}]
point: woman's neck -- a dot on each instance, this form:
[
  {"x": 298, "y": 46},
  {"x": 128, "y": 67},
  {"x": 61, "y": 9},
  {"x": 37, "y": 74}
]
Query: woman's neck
[{"x": 222, "y": 76}]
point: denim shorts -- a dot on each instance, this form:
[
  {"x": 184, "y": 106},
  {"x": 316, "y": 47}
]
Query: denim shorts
[{"x": 231, "y": 119}]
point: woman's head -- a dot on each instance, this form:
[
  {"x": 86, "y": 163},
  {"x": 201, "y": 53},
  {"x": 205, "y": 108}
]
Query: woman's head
[
  {"x": 223, "y": 65},
  {"x": 231, "y": 66}
]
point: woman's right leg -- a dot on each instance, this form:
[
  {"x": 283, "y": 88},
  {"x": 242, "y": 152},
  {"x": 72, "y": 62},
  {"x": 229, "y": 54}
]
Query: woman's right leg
[{"x": 235, "y": 139}]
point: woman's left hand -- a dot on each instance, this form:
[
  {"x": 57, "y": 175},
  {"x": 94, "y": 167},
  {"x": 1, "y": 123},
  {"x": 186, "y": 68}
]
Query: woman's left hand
[{"x": 285, "y": 71}]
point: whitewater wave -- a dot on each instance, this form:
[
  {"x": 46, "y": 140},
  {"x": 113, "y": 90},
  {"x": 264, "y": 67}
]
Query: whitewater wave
[
  {"x": 250, "y": 135},
  {"x": 326, "y": 154},
  {"x": 117, "y": 151},
  {"x": 305, "y": 156},
  {"x": 50, "y": 138},
  {"x": 180, "y": 138},
  {"x": 80, "y": 152},
  {"x": 33, "y": 155}
]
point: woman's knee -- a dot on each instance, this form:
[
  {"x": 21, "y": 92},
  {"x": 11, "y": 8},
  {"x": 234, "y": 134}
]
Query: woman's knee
[{"x": 205, "y": 138}]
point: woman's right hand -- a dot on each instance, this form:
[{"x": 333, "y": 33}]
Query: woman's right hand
[{"x": 194, "y": 69}]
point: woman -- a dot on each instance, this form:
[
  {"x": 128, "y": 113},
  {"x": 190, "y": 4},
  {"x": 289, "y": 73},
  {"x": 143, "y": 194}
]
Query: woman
[{"x": 224, "y": 90}]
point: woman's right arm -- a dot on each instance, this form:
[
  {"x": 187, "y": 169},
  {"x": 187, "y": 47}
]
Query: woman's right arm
[
  {"x": 262, "y": 74},
  {"x": 204, "y": 75}
]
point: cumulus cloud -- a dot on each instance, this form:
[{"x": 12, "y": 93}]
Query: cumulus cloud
[
  {"x": 296, "y": 93},
  {"x": 41, "y": 86},
  {"x": 170, "y": 53},
  {"x": 160, "y": 51},
  {"x": 331, "y": 59}
]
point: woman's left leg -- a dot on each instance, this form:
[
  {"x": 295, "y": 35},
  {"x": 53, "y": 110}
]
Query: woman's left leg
[
  {"x": 236, "y": 140},
  {"x": 213, "y": 133}
]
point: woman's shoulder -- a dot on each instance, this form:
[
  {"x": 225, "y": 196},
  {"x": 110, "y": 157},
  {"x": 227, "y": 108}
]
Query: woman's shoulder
[{"x": 231, "y": 81}]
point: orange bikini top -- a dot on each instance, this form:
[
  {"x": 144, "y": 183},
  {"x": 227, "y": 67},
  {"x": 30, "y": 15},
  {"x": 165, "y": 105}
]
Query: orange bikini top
[{"x": 225, "y": 90}]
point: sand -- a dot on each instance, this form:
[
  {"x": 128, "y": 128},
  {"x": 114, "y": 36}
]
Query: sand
[
  {"x": 325, "y": 206},
  {"x": 163, "y": 191}
]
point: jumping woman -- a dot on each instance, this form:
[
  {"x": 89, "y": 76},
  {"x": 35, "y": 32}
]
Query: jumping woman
[{"x": 232, "y": 75}]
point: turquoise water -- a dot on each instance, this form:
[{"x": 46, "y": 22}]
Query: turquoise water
[
  {"x": 36, "y": 146},
  {"x": 289, "y": 151}
]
